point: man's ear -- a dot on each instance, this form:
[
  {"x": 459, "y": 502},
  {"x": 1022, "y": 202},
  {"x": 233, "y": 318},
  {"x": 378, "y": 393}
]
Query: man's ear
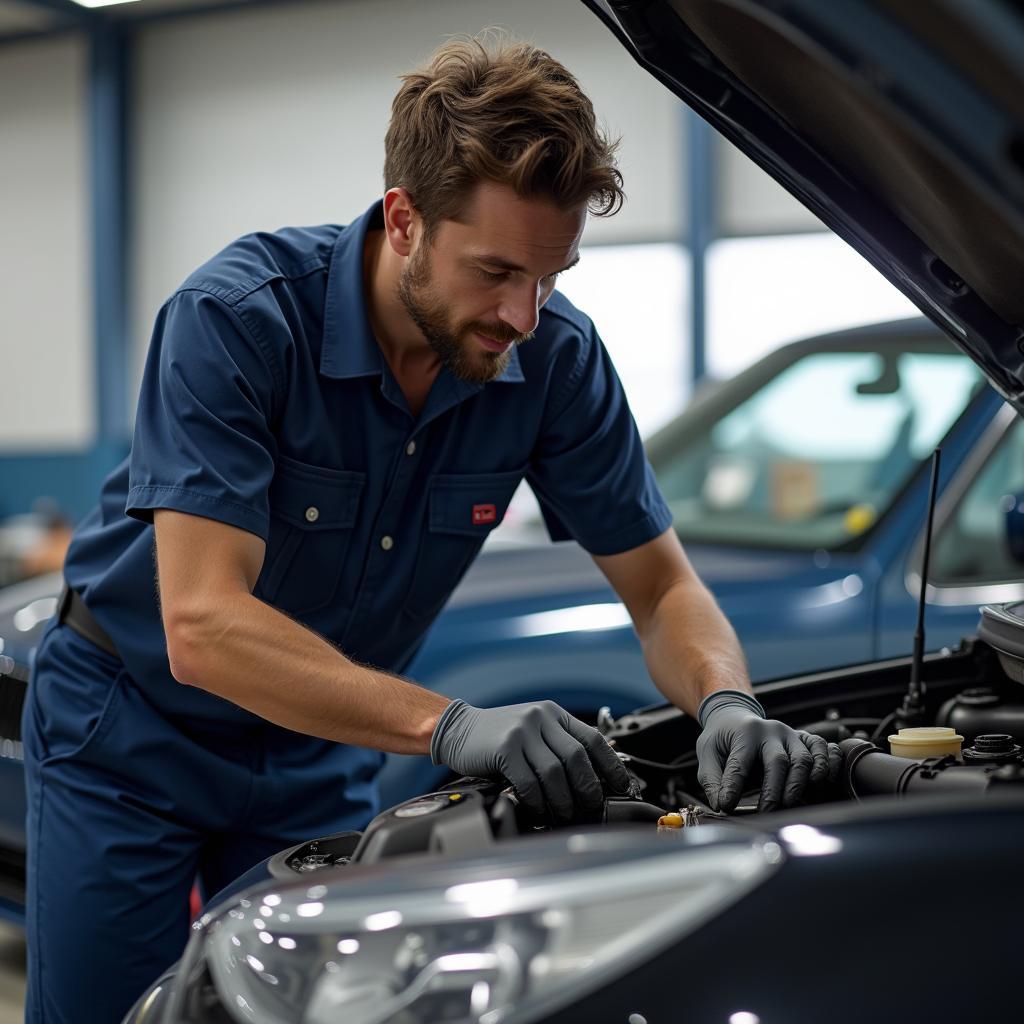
[{"x": 402, "y": 221}]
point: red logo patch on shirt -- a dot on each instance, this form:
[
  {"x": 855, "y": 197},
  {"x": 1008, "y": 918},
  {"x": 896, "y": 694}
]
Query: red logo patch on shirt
[{"x": 484, "y": 514}]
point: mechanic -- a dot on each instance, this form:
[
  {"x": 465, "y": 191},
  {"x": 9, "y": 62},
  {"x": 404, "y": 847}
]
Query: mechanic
[{"x": 331, "y": 421}]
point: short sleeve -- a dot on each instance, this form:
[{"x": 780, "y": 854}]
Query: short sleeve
[
  {"x": 589, "y": 470},
  {"x": 203, "y": 442}
]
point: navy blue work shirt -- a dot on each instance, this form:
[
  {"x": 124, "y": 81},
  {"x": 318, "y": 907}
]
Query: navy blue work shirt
[{"x": 266, "y": 403}]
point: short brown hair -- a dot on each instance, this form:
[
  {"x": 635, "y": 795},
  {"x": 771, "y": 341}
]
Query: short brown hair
[{"x": 507, "y": 113}]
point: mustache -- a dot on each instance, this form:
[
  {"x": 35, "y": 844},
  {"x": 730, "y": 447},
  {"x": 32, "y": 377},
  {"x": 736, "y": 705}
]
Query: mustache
[{"x": 499, "y": 332}]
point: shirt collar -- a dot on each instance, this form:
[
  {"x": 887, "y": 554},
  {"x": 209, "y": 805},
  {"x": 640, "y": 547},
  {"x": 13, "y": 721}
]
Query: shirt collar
[{"x": 349, "y": 347}]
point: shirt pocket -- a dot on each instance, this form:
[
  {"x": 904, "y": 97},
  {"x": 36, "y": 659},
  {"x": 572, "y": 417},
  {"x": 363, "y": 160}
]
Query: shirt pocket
[
  {"x": 462, "y": 509},
  {"x": 313, "y": 512}
]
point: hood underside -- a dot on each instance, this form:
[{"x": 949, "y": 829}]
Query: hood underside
[{"x": 900, "y": 125}]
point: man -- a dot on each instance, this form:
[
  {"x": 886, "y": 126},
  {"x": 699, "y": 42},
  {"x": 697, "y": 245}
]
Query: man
[{"x": 331, "y": 420}]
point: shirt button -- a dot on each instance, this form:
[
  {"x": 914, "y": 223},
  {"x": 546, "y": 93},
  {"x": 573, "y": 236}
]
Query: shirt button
[
  {"x": 410, "y": 448},
  {"x": 387, "y": 543},
  {"x": 312, "y": 514}
]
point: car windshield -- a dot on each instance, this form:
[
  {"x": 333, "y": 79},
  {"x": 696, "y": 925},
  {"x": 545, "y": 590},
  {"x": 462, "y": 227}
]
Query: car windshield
[{"x": 809, "y": 448}]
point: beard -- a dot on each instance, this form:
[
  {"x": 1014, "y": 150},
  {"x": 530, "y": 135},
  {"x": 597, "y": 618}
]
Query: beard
[{"x": 452, "y": 342}]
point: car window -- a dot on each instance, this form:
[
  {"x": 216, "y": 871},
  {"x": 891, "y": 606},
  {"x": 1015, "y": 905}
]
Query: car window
[
  {"x": 818, "y": 452},
  {"x": 971, "y": 546}
]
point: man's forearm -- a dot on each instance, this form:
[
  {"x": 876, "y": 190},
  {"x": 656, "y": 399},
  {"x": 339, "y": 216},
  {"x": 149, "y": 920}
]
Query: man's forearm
[
  {"x": 690, "y": 648},
  {"x": 254, "y": 656}
]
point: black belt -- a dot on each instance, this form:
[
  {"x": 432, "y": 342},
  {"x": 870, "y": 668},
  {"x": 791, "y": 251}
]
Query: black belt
[{"x": 72, "y": 612}]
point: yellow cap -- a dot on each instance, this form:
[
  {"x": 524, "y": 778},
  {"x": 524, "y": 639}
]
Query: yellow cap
[
  {"x": 859, "y": 517},
  {"x": 925, "y": 742},
  {"x": 458, "y": 796}
]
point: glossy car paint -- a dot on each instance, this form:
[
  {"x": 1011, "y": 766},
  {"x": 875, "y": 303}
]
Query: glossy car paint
[
  {"x": 867, "y": 872},
  {"x": 880, "y": 955}
]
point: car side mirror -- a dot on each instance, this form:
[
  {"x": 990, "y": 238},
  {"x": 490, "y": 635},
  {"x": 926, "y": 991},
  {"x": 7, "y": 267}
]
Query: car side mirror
[
  {"x": 886, "y": 383},
  {"x": 1014, "y": 519}
]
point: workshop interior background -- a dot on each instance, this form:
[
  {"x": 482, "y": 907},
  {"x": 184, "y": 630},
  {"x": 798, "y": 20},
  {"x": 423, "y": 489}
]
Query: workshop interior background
[
  {"x": 259, "y": 115},
  {"x": 131, "y": 153}
]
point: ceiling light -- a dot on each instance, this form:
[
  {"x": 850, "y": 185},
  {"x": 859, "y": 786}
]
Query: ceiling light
[{"x": 103, "y": 3}]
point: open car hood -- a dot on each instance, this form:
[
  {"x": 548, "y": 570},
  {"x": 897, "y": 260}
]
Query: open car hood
[{"x": 900, "y": 125}]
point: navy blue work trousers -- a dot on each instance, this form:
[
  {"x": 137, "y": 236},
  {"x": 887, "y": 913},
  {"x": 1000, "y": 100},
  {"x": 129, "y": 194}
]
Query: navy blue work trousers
[{"x": 127, "y": 808}]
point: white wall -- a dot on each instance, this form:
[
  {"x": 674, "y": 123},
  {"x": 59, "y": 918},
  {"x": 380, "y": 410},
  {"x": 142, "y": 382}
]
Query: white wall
[
  {"x": 251, "y": 120},
  {"x": 46, "y": 358},
  {"x": 752, "y": 203},
  {"x": 257, "y": 118},
  {"x": 764, "y": 292}
]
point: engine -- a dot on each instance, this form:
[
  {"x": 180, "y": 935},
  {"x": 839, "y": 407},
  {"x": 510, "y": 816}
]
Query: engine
[
  {"x": 971, "y": 700},
  {"x": 962, "y": 735}
]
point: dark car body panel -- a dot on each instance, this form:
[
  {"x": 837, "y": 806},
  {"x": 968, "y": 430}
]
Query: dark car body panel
[
  {"x": 892, "y": 942},
  {"x": 899, "y": 125}
]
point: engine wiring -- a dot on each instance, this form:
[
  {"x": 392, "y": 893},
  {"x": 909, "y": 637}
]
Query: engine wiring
[
  {"x": 685, "y": 761},
  {"x": 885, "y": 724}
]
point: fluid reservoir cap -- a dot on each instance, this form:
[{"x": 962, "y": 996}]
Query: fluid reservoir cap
[
  {"x": 994, "y": 743},
  {"x": 992, "y": 748},
  {"x": 931, "y": 741}
]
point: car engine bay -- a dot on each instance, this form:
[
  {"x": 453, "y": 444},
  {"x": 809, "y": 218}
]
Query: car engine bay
[{"x": 972, "y": 692}]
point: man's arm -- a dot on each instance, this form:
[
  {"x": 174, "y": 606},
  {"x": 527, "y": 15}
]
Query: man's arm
[
  {"x": 695, "y": 660},
  {"x": 689, "y": 646},
  {"x": 222, "y": 639}
]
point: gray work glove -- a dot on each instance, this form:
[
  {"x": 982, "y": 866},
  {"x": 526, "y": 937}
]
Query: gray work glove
[
  {"x": 737, "y": 739},
  {"x": 551, "y": 759}
]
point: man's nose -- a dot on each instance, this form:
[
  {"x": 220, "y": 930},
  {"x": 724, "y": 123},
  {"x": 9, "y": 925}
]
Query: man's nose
[{"x": 520, "y": 308}]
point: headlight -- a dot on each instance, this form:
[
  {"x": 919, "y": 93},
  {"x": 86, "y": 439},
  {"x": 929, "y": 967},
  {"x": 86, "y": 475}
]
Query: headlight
[{"x": 507, "y": 939}]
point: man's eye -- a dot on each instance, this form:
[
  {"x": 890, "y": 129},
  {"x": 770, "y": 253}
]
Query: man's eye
[{"x": 491, "y": 275}]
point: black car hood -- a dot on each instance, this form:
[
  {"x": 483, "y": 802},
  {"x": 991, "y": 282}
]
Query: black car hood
[{"x": 900, "y": 125}]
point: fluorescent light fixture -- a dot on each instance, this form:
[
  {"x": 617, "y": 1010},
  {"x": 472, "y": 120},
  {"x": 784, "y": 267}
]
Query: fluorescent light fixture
[{"x": 103, "y": 3}]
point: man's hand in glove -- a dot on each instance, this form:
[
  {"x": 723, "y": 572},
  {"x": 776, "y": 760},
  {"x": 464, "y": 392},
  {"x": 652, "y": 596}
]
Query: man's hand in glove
[
  {"x": 553, "y": 760},
  {"x": 737, "y": 740}
]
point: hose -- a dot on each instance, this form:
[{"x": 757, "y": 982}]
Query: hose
[{"x": 869, "y": 771}]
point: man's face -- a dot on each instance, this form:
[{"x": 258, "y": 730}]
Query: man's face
[{"x": 475, "y": 288}]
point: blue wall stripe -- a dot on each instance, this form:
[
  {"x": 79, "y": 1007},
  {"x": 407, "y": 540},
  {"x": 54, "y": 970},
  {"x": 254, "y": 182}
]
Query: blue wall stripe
[
  {"x": 72, "y": 479},
  {"x": 108, "y": 89}
]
